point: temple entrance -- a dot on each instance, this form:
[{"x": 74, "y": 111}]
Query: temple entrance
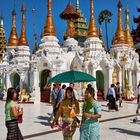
[
  {"x": 45, "y": 86},
  {"x": 100, "y": 84},
  {"x": 16, "y": 80}
]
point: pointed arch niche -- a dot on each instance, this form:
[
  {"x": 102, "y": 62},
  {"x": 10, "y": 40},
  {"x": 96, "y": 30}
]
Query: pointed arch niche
[
  {"x": 15, "y": 79},
  {"x": 100, "y": 80},
  {"x": 44, "y": 85}
]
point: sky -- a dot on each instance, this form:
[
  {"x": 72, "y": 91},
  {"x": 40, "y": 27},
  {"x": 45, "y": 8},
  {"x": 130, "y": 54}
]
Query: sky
[{"x": 39, "y": 18}]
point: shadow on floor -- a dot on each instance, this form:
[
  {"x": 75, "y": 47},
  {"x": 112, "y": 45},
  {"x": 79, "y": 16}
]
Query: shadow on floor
[
  {"x": 45, "y": 120},
  {"x": 104, "y": 105},
  {"x": 104, "y": 110},
  {"x": 128, "y": 132},
  {"x": 43, "y": 123},
  {"x": 41, "y": 133}
]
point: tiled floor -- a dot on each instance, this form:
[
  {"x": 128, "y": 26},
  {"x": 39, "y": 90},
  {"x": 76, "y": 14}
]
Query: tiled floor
[{"x": 114, "y": 125}]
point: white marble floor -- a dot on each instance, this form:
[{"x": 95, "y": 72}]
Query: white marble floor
[{"x": 114, "y": 125}]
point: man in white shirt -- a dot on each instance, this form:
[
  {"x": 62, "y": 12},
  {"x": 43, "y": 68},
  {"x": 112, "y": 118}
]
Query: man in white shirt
[{"x": 112, "y": 98}]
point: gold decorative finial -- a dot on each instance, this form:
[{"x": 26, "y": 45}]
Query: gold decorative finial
[
  {"x": 23, "y": 39},
  {"x": 92, "y": 29},
  {"x": 23, "y": 9},
  {"x": 129, "y": 39},
  {"x": 77, "y": 5},
  {"x": 120, "y": 34},
  {"x": 119, "y": 4},
  {"x": 1, "y": 22},
  {"x": 13, "y": 38},
  {"x": 49, "y": 28}
]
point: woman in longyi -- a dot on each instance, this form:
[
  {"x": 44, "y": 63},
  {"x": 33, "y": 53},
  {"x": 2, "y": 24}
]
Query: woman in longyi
[
  {"x": 68, "y": 110},
  {"x": 91, "y": 112}
]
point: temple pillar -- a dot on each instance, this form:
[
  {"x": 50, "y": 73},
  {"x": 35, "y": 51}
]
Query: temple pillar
[
  {"x": 36, "y": 86},
  {"x": 110, "y": 71},
  {"x": 138, "y": 76},
  {"x": 120, "y": 77},
  {"x": 94, "y": 83},
  {"x": 21, "y": 81},
  {"x": 8, "y": 83},
  {"x": 130, "y": 77}
]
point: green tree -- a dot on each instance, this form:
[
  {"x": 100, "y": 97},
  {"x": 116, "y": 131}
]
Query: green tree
[{"x": 105, "y": 16}]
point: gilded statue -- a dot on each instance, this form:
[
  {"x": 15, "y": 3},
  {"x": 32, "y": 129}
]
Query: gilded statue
[
  {"x": 86, "y": 56},
  {"x": 24, "y": 95},
  {"x": 128, "y": 92},
  {"x": 124, "y": 57}
]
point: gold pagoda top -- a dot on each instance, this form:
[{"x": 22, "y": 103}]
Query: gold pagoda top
[
  {"x": 13, "y": 38},
  {"x": 23, "y": 39},
  {"x": 49, "y": 28},
  {"x": 129, "y": 39},
  {"x": 120, "y": 34},
  {"x": 92, "y": 28}
]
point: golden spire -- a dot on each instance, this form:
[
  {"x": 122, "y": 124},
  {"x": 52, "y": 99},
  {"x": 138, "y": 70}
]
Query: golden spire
[
  {"x": 49, "y": 28},
  {"x": 129, "y": 39},
  {"x": 92, "y": 29},
  {"x": 23, "y": 39},
  {"x": 120, "y": 34},
  {"x": 77, "y": 5},
  {"x": 101, "y": 37},
  {"x": 13, "y": 38}
]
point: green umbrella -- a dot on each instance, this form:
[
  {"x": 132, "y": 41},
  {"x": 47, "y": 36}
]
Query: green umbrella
[{"x": 72, "y": 77}]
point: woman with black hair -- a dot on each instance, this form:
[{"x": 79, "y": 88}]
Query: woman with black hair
[
  {"x": 12, "y": 112},
  {"x": 89, "y": 129},
  {"x": 69, "y": 108}
]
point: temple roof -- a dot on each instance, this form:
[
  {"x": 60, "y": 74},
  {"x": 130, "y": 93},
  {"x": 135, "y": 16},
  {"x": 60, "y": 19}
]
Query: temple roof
[
  {"x": 69, "y": 13},
  {"x": 80, "y": 23}
]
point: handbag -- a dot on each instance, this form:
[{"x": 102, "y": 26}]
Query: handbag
[
  {"x": 20, "y": 119},
  {"x": 72, "y": 113}
]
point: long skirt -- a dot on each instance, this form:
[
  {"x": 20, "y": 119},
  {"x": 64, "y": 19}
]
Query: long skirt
[
  {"x": 69, "y": 129},
  {"x": 13, "y": 130},
  {"x": 112, "y": 103},
  {"x": 90, "y": 131}
]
